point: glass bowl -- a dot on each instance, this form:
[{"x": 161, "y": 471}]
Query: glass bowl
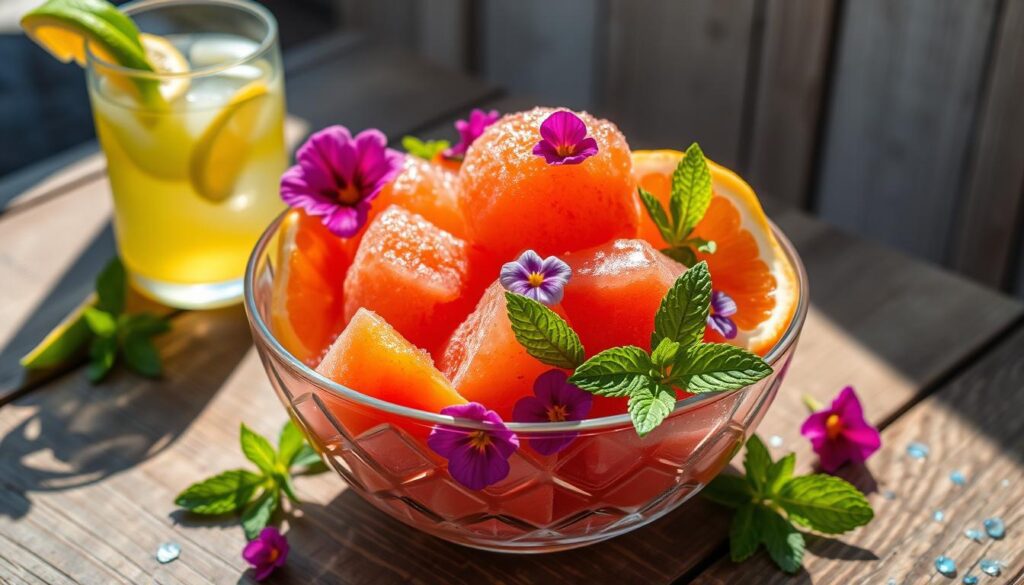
[{"x": 606, "y": 482}]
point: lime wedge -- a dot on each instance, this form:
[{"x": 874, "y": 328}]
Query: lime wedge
[
  {"x": 221, "y": 151},
  {"x": 64, "y": 341}
]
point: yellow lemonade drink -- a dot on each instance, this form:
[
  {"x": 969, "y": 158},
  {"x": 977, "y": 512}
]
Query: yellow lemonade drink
[{"x": 194, "y": 173}]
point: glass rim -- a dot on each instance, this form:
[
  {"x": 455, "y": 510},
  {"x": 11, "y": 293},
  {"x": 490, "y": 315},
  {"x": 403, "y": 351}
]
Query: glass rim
[
  {"x": 262, "y": 330},
  {"x": 96, "y": 62}
]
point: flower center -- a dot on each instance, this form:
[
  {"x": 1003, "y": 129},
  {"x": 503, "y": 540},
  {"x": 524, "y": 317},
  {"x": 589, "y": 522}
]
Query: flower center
[
  {"x": 349, "y": 195},
  {"x": 535, "y": 279},
  {"x": 565, "y": 149},
  {"x": 274, "y": 553},
  {"x": 558, "y": 413},
  {"x": 479, "y": 440},
  {"x": 833, "y": 426}
]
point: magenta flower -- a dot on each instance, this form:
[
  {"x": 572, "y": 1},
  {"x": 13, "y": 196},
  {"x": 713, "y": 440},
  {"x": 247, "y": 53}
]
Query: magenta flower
[
  {"x": 476, "y": 458},
  {"x": 554, "y": 400},
  {"x": 839, "y": 434},
  {"x": 337, "y": 176},
  {"x": 722, "y": 308},
  {"x": 543, "y": 280},
  {"x": 470, "y": 130},
  {"x": 266, "y": 552},
  {"x": 564, "y": 140}
]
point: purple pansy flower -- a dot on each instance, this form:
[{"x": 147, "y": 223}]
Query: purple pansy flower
[
  {"x": 839, "y": 434},
  {"x": 470, "y": 130},
  {"x": 266, "y": 552},
  {"x": 722, "y": 308},
  {"x": 337, "y": 176},
  {"x": 564, "y": 140},
  {"x": 543, "y": 280},
  {"x": 476, "y": 458},
  {"x": 554, "y": 400}
]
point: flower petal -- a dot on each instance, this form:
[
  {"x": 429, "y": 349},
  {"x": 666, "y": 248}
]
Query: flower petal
[
  {"x": 345, "y": 221},
  {"x": 513, "y": 274},
  {"x": 723, "y": 325},
  {"x": 531, "y": 261},
  {"x": 475, "y": 469},
  {"x": 816, "y": 425},
  {"x": 563, "y": 128},
  {"x": 722, "y": 304},
  {"x": 530, "y": 409},
  {"x": 548, "y": 151}
]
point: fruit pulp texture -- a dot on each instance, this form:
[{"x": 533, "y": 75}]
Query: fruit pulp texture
[{"x": 166, "y": 229}]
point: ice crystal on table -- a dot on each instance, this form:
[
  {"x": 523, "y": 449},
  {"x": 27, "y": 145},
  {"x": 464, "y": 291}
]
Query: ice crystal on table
[
  {"x": 995, "y": 528},
  {"x": 917, "y": 450},
  {"x": 889, "y": 495},
  {"x": 775, "y": 441},
  {"x": 970, "y": 580},
  {"x": 945, "y": 566},
  {"x": 958, "y": 478},
  {"x": 973, "y": 534},
  {"x": 168, "y": 552},
  {"x": 991, "y": 567}
]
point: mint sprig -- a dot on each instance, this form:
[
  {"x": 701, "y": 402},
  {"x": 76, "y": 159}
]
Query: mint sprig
[
  {"x": 679, "y": 359},
  {"x": 769, "y": 502},
  {"x": 425, "y": 149},
  {"x": 688, "y": 202},
  {"x": 234, "y": 490}
]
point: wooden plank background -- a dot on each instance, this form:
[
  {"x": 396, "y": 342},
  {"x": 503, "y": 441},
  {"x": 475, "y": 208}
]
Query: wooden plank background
[{"x": 899, "y": 120}]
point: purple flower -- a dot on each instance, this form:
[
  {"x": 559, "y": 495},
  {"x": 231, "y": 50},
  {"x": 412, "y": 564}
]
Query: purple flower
[
  {"x": 543, "y": 280},
  {"x": 470, "y": 130},
  {"x": 564, "y": 140},
  {"x": 554, "y": 400},
  {"x": 337, "y": 176},
  {"x": 266, "y": 552},
  {"x": 722, "y": 307},
  {"x": 476, "y": 458},
  {"x": 840, "y": 434}
]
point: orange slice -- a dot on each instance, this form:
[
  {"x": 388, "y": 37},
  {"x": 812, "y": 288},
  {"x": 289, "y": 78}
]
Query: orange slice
[{"x": 749, "y": 265}]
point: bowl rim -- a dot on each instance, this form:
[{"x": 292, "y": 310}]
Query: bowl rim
[{"x": 268, "y": 340}]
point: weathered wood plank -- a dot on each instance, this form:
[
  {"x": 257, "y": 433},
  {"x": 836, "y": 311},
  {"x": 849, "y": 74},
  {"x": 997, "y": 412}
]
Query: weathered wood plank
[
  {"x": 971, "y": 425},
  {"x": 677, "y": 73},
  {"x": 989, "y": 230},
  {"x": 908, "y": 77},
  {"x": 787, "y": 102}
]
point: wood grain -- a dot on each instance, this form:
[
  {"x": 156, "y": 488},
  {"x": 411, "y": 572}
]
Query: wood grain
[
  {"x": 908, "y": 76},
  {"x": 970, "y": 425}
]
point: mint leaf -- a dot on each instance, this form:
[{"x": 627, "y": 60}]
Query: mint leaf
[
  {"x": 729, "y": 490},
  {"x": 665, "y": 352},
  {"x": 145, "y": 324},
  {"x": 220, "y": 494},
  {"x": 111, "y": 287},
  {"x": 141, "y": 355},
  {"x": 284, "y": 481},
  {"x": 258, "y": 450},
  {"x": 657, "y": 215},
  {"x": 756, "y": 462},
  {"x": 426, "y": 150},
  {"x": 257, "y": 514},
  {"x": 779, "y": 474},
  {"x": 682, "y": 255},
  {"x": 824, "y": 503},
  {"x": 683, "y": 313},
  {"x": 289, "y": 444},
  {"x": 100, "y": 322},
  {"x": 616, "y": 372},
  {"x": 543, "y": 334},
  {"x": 649, "y": 404},
  {"x": 744, "y": 536},
  {"x": 716, "y": 367},
  {"x": 691, "y": 192},
  {"x": 102, "y": 355},
  {"x": 785, "y": 545}
]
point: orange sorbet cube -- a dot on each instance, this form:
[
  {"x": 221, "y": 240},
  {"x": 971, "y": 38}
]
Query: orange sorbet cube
[{"x": 426, "y": 189}]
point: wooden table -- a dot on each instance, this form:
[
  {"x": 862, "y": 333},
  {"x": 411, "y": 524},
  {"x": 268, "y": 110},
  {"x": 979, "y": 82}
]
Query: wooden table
[{"x": 88, "y": 474}]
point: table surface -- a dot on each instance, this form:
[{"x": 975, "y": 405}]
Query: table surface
[{"x": 88, "y": 474}]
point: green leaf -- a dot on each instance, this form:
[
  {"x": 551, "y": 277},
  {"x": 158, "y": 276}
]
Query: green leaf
[
  {"x": 258, "y": 450},
  {"x": 100, "y": 322},
  {"x": 307, "y": 457},
  {"x": 682, "y": 254},
  {"x": 657, "y": 214},
  {"x": 111, "y": 287},
  {"x": 744, "y": 535},
  {"x": 756, "y": 462},
  {"x": 284, "y": 481},
  {"x": 257, "y": 514},
  {"x": 426, "y": 150},
  {"x": 142, "y": 356},
  {"x": 824, "y": 503},
  {"x": 717, "y": 367},
  {"x": 785, "y": 545},
  {"x": 616, "y": 372},
  {"x": 729, "y": 490},
  {"x": 289, "y": 443},
  {"x": 220, "y": 494},
  {"x": 649, "y": 405},
  {"x": 665, "y": 352},
  {"x": 102, "y": 355},
  {"x": 145, "y": 324},
  {"x": 543, "y": 334},
  {"x": 779, "y": 474},
  {"x": 683, "y": 313},
  {"x": 691, "y": 192}
]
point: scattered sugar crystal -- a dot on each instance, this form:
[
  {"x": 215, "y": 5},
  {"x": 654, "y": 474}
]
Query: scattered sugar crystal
[{"x": 938, "y": 515}]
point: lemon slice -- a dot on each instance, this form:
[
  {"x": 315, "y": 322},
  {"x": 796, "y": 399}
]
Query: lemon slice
[
  {"x": 67, "y": 339},
  {"x": 166, "y": 58},
  {"x": 220, "y": 153}
]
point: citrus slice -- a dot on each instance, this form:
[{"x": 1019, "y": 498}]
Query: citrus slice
[
  {"x": 307, "y": 311},
  {"x": 222, "y": 150},
  {"x": 64, "y": 341},
  {"x": 749, "y": 265},
  {"x": 166, "y": 58}
]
